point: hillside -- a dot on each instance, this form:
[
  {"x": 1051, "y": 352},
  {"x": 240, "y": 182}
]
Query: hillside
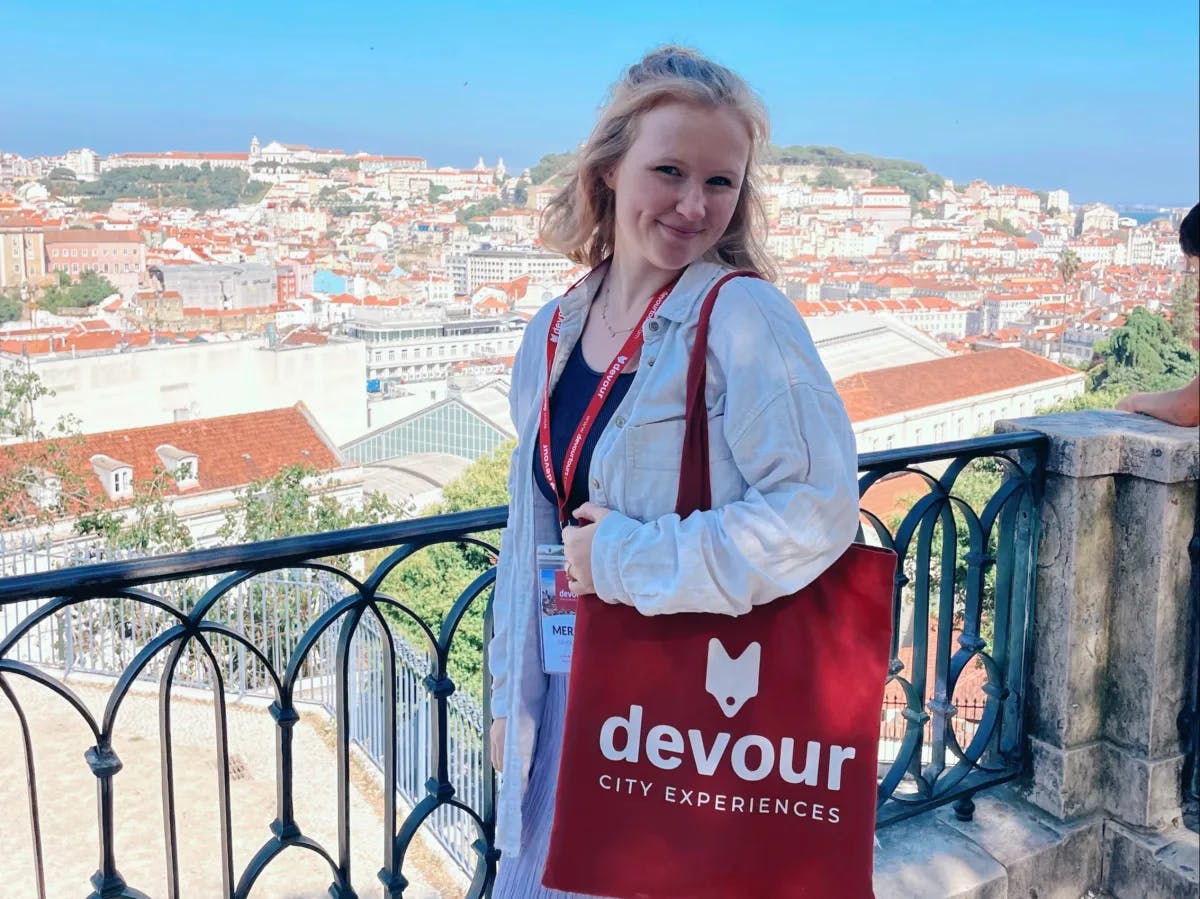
[{"x": 911, "y": 177}]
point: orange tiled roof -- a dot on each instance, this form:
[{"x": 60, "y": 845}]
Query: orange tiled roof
[
  {"x": 887, "y": 391},
  {"x": 87, "y": 236},
  {"x": 232, "y": 450}
]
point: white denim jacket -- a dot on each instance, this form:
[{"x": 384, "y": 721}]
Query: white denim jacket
[{"x": 783, "y": 471}]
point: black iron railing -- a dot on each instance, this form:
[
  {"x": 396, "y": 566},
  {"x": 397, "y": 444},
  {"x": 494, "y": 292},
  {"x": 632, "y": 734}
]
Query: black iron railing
[
  {"x": 951, "y": 725},
  {"x": 962, "y": 615}
]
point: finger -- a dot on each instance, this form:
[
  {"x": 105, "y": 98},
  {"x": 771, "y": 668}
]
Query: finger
[{"x": 586, "y": 512}]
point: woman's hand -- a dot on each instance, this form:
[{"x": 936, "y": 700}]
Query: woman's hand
[
  {"x": 577, "y": 547},
  {"x": 496, "y": 742}
]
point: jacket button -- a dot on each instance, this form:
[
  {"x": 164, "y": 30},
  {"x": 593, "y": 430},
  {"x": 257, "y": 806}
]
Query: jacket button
[
  {"x": 653, "y": 326},
  {"x": 596, "y": 483},
  {"x": 619, "y": 421},
  {"x": 650, "y": 361}
]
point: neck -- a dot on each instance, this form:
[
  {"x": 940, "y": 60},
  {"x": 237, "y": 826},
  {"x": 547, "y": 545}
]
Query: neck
[{"x": 631, "y": 285}]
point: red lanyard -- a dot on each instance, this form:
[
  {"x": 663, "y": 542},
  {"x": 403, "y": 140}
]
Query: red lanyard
[{"x": 571, "y": 461}]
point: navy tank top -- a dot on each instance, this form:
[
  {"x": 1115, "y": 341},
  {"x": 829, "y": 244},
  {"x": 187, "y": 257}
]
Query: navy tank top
[{"x": 568, "y": 401}]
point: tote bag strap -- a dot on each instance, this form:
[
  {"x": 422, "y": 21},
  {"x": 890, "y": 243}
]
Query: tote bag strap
[{"x": 695, "y": 489}]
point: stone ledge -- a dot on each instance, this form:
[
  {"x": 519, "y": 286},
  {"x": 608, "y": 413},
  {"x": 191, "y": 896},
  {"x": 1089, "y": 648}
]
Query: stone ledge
[
  {"x": 1010, "y": 849},
  {"x": 1142, "y": 792},
  {"x": 1098, "y": 443},
  {"x": 1066, "y": 782},
  {"x": 1151, "y": 865}
]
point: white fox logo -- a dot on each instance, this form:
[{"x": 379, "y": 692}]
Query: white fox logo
[
  {"x": 621, "y": 360},
  {"x": 732, "y": 681}
]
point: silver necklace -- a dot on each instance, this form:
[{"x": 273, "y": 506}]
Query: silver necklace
[{"x": 612, "y": 332}]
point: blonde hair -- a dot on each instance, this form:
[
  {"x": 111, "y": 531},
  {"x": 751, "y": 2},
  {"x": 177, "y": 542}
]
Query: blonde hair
[{"x": 580, "y": 220}]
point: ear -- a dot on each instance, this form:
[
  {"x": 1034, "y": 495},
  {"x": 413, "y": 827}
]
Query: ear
[{"x": 610, "y": 179}]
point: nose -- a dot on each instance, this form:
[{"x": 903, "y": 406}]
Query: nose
[{"x": 691, "y": 203}]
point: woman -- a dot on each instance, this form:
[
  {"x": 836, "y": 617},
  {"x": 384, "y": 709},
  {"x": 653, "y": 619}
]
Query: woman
[{"x": 662, "y": 205}]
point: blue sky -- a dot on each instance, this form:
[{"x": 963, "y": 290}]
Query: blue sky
[{"x": 1101, "y": 98}]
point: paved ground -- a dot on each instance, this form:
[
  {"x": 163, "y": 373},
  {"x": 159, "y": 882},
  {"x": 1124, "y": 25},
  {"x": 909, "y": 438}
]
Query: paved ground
[{"x": 67, "y": 798}]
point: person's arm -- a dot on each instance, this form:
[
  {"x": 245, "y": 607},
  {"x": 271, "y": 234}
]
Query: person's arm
[
  {"x": 524, "y": 382},
  {"x": 1178, "y": 407},
  {"x": 793, "y": 445}
]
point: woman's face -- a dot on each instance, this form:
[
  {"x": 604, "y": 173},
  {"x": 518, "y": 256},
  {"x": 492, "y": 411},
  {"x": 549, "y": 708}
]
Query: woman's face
[{"x": 678, "y": 185}]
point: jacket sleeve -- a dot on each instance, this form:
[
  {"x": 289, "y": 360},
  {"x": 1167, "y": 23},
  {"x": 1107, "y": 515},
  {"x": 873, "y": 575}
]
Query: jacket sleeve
[
  {"x": 525, "y": 382},
  {"x": 793, "y": 446},
  {"x": 498, "y": 661}
]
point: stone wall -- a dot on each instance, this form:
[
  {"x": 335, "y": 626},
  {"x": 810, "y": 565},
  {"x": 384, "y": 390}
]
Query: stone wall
[{"x": 1100, "y": 808}]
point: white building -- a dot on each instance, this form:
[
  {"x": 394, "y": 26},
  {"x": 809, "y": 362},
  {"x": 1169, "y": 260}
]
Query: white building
[
  {"x": 953, "y": 398},
  {"x": 174, "y": 158},
  {"x": 84, "y": 163},
  {"x": 405, "y": 347},
  {"x": 1096, "y": 217},
  {"x": 157, "y": 385},
  {"x": 494, "y": 266}
]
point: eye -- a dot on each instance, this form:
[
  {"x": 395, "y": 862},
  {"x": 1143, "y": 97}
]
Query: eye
[
  {"x": 668, "y": 170},
  {"x": 720, "y": 181}
]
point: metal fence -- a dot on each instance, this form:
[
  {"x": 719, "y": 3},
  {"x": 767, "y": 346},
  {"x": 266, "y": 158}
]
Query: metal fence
[
  {"x": 962, "y": 614},
  {"x": 302, "y": 619},
  {"x": 296, "y": 620}
]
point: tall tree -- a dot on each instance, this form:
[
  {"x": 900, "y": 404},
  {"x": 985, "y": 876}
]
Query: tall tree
[
  {"x": 1183, "y": 308},
  {"x": 1068, "y": 266},
  {"x": 10, "y": 307},
  {"x": 1145, "y": 354},
  {"x": 430, "y": 581}
]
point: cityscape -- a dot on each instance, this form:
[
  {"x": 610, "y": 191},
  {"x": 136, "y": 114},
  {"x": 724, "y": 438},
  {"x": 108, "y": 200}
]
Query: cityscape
[
  {"x": 388, "y": 295},
  {"x": 209, "y": 350}
]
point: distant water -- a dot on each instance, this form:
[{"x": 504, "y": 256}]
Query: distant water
[{"x": 1144, "y": 217}]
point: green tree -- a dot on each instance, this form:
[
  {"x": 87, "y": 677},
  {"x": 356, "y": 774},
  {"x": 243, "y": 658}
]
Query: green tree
[
  {"x": 550, "y": 166},
  {"x": 520, "y": 195},
  {"x": 1145, "y": 354},
  {"x": 429, "y": 582},
  {"x": 150, "y": 524},
  {"x": 1068, "y": 266},
  {"x": 288, "y": 504},
  {"x": 10, "y": 308},
  {"x": 829, "y": 177},
  {"x": 484, "y": 207},
  {"x": 200, "y": 188},
  {"x": 32, "y": 456},
  {"x": 437, "y": 191},
  {"x": 90, "y": 290},
  {"x": 1183, "y": 308},
  {"x": 1004, "y": 227}
]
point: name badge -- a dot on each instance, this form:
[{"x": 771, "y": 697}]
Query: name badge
[{"x": 557, "y": 605}]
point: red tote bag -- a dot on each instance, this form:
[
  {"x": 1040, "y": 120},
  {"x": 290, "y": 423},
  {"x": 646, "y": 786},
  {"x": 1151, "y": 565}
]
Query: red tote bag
[{"x": 712, "y": 756}]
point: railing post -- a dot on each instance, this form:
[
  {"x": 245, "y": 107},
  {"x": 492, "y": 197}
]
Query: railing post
[
  {"x": 108, "y": 882},
  {"x": 1111, "y": 626}
]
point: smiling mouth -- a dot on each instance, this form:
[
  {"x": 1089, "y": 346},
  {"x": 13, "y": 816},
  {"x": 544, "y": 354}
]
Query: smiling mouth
[{"x": 680, "y": 231}]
